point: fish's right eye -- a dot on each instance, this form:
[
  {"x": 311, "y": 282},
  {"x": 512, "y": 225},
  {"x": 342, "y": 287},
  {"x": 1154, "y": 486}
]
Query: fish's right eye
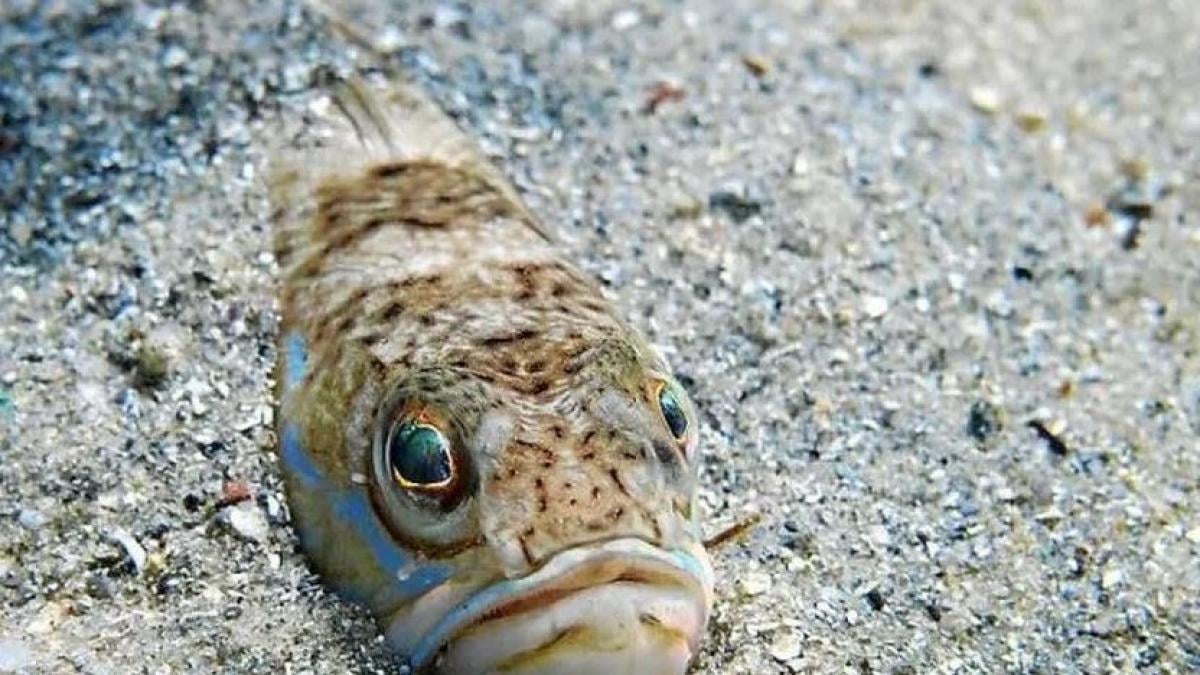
[{"x": 423, "y": 479}]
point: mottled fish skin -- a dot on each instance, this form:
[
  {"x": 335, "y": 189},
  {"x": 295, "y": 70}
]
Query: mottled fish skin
[{"x": 420, "y": 294}]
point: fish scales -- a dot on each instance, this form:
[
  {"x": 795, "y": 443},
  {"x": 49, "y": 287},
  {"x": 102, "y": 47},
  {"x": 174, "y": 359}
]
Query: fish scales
[{"x": 475, "y": 444}]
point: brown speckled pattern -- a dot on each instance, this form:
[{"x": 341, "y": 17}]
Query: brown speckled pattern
[{"x": 411, "y": 264}]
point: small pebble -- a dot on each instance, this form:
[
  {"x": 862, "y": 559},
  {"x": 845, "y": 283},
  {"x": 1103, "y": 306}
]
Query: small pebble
[
  {"x": 1031, "y": 120},
  {"x": 875, "y": 599},
  {"x": 1135, "y": 168},
  {"x": 1112, "y": 577},
  {"x": 799, "y": 166},
  {"x": 134, "y": 553},
  {"x": 754, "y": 583},
  {"x": 984, "y": 420},
  {"x": 1134, "y": 202},
  {"x": 151, "y": 365},
  {"x": 247, "y": 423},
  {"x": 174, "y": 57},
  {"x": 275, "y": 512},
  {"x": 685, "y": 207},
  {"x": 234, "y": 492},
  {"x": 204, "y": 437},
  {"x": 199, "y": 408},
  {"x": 626, "y": 19},
  {"x": 878, "y": 535},
  {"x": 247, "y": 521},
  {"x": 737, "y": 200},
  {"x": 31, "y": 519},
  {"x": 660, "y": 93},
  {"x": 985, "y": 100},
  {"x": 785, "y": 647},
  {"x": 756, "y": 64},
  {"x": 1050, "y": 515},
  {"x": 156, "y": 563},
  {"x": 874, "y": 306},
  {"x": 1095, "y": 216}
]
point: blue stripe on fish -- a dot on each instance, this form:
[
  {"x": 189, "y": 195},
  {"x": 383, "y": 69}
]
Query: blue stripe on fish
[
  {"x": 295, "y": 459},
  {"x": 351, "y": 508},
  {"x": 409, "y": 578},
  {"x": 295, "y": 354}
]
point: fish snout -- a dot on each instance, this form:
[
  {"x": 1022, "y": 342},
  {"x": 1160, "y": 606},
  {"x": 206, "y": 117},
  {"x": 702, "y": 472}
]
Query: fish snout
[{"x": 620, "y": 606}]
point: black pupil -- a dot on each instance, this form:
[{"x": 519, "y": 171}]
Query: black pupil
[
  {"x": 673, "y": 412},
  {"x": 419, "y": 455}
]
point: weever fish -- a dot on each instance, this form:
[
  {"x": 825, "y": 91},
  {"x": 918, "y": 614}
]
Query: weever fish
[{"x": 475, "y": 445}]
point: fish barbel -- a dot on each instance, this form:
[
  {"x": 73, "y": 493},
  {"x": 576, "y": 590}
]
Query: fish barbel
[{"x": 475, "y": 445}]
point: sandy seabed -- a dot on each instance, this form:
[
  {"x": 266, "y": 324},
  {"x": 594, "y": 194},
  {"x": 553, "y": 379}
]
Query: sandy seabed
[{"x": 931, "y": 270}]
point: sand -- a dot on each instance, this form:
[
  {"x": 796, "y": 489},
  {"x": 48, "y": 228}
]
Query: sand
[{"x": 930, "y": 269}]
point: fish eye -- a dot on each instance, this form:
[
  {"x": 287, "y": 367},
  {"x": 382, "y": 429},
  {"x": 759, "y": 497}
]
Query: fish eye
[
  {"x": 422, "y": 479},
  {"x": 419, "y": 457},
  {"x": 672, "y": 411}
]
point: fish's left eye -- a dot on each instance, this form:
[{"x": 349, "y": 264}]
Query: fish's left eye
[
  {"x": 419, "y": 457},
  {"x": 672, "y": 411}
]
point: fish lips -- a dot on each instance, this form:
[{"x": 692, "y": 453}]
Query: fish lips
[{"x": 587, "y": 597}]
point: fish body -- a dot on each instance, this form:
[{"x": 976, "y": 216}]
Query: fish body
[{"x": 475, "y": 445}]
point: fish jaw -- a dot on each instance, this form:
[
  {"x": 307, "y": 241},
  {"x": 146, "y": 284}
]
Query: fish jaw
[{"x": 624, "y": 605}]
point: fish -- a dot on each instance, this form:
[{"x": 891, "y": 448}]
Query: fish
[{"x": 474, "y": 444}]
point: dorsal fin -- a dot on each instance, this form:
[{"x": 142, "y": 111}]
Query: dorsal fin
[{"x": 373, "y": 130}]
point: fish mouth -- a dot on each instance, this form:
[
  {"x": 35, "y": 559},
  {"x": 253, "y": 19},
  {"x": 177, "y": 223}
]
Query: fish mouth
[{"x": 624, "y": 605}]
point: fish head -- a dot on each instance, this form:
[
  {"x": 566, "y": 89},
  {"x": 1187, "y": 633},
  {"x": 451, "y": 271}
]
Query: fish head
[{"x": 535, "y": 532}]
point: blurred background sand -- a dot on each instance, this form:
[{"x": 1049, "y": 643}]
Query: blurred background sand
[{"x": 931, "y": 270}]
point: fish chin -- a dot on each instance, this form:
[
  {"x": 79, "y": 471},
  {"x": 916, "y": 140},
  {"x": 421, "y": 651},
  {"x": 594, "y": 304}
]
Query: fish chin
[{"x": 624, "y": 606}]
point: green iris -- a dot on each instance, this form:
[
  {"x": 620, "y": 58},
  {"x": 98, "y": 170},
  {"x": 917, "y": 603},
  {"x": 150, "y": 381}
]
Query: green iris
[
  {"x": 672, "y": 411},
  {"x": 420, "y": 456}
]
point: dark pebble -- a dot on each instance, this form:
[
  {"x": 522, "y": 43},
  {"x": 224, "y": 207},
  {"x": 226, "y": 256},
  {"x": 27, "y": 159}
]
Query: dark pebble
[
  {"x": 875, "y": 599},
  {"x": 983, "y": 421},
  {"x": 738, "y": 204},
  {"x": 1053, "y": 442}
]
